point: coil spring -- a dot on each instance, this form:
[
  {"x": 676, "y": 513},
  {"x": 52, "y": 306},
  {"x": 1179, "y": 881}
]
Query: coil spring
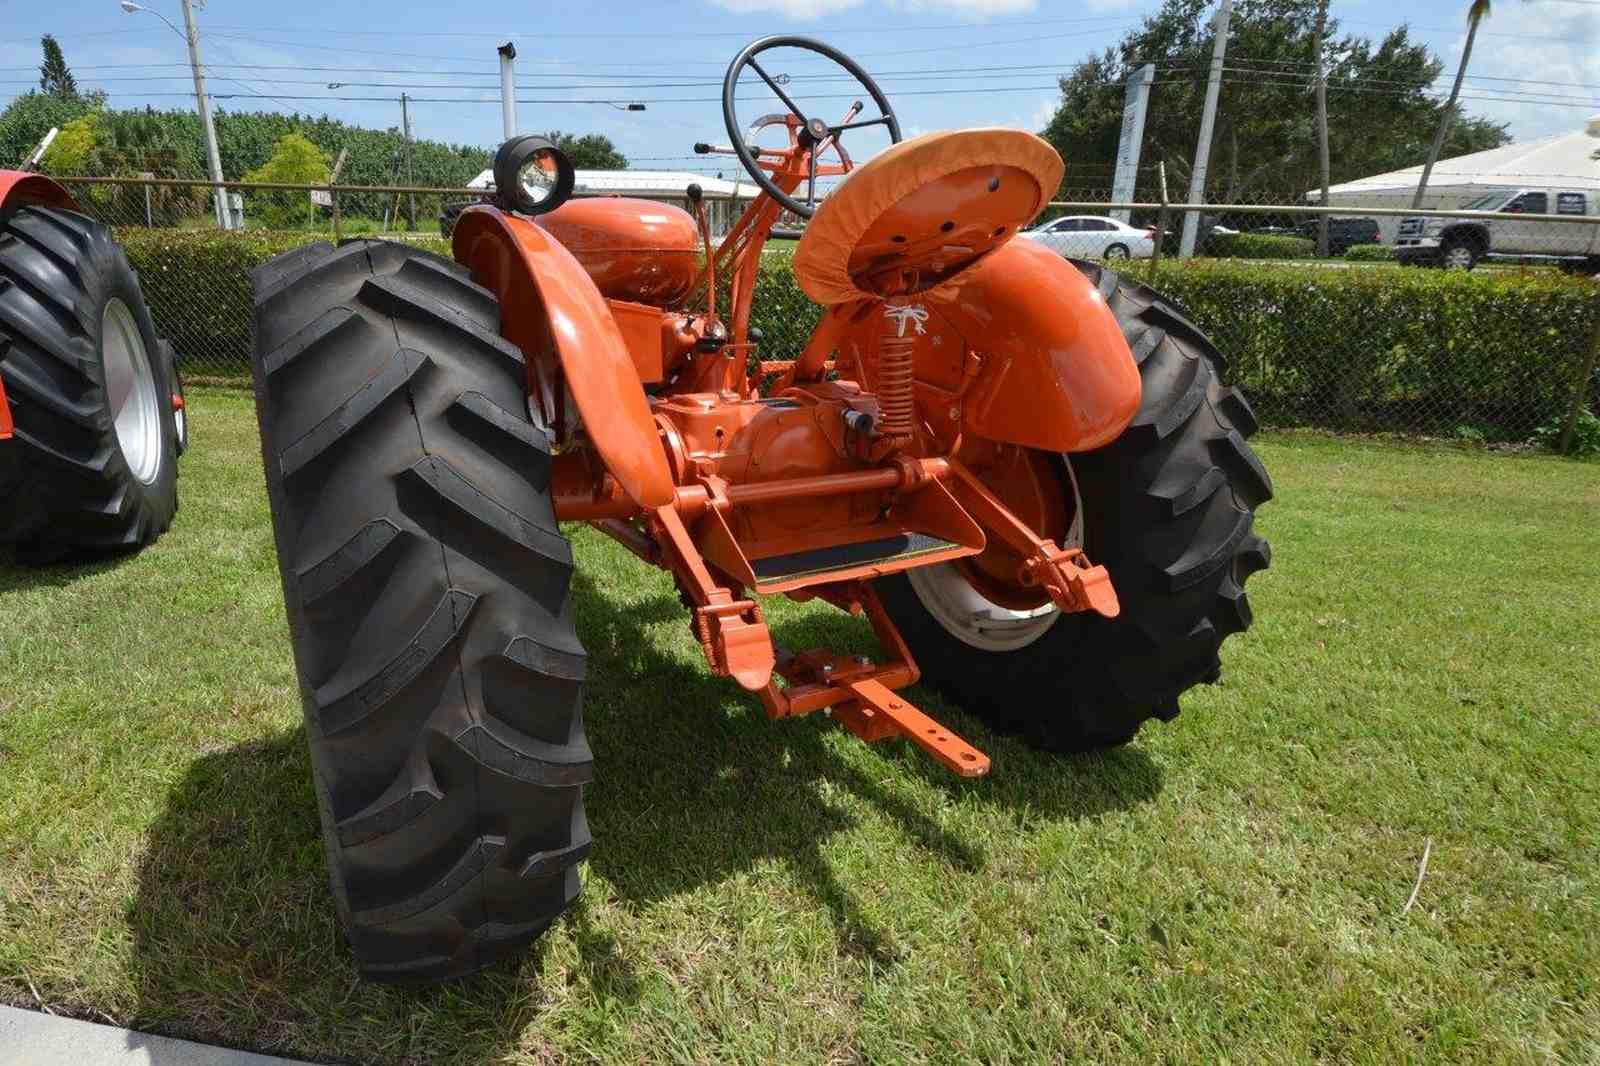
[{"x": 896, "y": 404}]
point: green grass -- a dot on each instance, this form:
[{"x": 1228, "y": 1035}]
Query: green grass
[{"x": 1423, "y": 667}]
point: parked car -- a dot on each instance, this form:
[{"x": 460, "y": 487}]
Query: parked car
[
  {"x": 1094, "y": 237},
  {"x": 1460, "y": 243},
  {"x": 1343, "y": 233}
]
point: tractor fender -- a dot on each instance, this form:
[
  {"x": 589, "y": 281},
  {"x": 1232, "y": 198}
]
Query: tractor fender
[
  {"x": 19, "y": 188},
  {"x": 1055, "y": 371},
  {"x": 551, "y": 309}
]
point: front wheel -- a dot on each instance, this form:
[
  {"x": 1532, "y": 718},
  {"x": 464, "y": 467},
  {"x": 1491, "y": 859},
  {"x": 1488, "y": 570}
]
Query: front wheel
[
  {"x": 1168, "y": 508},
  {"x": 426, "y": 586},
  {"x": 1458, "y": 255}
]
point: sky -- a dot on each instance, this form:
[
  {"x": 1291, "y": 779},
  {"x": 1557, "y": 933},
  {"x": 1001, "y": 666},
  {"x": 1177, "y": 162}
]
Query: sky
[{"x": 943, "y": 63}]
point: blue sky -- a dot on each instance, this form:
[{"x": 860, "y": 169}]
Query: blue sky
[{"x": 1004, "y": 53}]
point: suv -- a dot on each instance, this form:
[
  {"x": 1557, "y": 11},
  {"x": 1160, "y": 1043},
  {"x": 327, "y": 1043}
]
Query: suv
[
  {"x": 1343, "y": 233},
  {"x": 1460, "y": 243}
]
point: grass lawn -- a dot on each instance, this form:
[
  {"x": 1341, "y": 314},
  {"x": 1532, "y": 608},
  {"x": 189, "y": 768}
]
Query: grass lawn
[{"x": 1425, "y": 667}]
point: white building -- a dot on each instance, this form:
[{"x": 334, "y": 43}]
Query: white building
[
  {"x": 725, "y": 200},
  {"x": 1556, "y": 162}
]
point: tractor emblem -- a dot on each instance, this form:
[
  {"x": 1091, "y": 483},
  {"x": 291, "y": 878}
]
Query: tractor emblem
[{"x": 915, "y": 314}]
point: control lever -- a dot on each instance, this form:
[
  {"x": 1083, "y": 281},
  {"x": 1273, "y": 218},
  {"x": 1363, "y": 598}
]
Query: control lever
[{"x": 697, "y": 198}]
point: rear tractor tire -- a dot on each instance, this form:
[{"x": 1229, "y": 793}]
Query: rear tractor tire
[
  {"x": 426, "y": 585},
  {"x": 92, "y": 468},
  {"x": 1167, "y": 508}
]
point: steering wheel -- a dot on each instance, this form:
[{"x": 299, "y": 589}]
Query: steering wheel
[{"x": 807, "y": 133}]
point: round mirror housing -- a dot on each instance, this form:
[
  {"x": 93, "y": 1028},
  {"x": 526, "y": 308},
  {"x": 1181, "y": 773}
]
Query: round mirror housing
[{"x": 532, "y": 175}]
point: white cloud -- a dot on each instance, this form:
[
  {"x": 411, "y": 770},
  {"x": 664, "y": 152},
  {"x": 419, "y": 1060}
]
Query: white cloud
[
  {"x": 983, "y": 8},
  {"x": 1575, "y": 57},
  {"x": 807, "y": 10},
  {"x": 800, "y": 10}
]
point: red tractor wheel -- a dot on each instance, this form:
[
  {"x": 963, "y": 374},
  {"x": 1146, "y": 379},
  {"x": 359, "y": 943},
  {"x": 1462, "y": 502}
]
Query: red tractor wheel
[
  {"x": 1167, "y": 508},
  {"x": 93, "y": 463},
  {"x": 426, "y": 584}
]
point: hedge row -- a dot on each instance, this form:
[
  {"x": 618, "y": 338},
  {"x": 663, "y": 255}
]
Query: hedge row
[
  {"x": 1384, "y": 349},
  {"x": 1368, "y": 349},
  {"x": 1370, "y": 253},
  {"x": 1372, "y": 350},
  {"x": 1260, "y": 246},
  {"x": 197, "y": 283}
]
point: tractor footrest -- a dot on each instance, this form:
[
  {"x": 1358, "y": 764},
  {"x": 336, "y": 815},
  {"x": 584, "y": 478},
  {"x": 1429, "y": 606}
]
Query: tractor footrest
[
  {"x": 819, "y": 561},
  {"x": 878, "y": 712}
]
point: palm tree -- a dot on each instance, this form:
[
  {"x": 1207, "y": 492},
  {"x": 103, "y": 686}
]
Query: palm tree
[{"x": 1475, "y": 14}]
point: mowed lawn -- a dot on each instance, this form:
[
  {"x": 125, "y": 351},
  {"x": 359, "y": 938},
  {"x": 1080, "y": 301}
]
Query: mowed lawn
[{"x": 1425, "y": 666}]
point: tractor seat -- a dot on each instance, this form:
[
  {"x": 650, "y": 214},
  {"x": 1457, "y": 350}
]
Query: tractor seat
[{"x": 924, "y": 211}]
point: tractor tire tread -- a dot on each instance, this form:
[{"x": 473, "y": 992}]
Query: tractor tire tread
[{"x": 427, "y": 588}]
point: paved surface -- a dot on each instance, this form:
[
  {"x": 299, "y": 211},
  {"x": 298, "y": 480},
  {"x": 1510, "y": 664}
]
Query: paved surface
[{"x": 28, "y": 1038}]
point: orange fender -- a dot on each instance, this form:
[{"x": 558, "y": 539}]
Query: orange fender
[
  {"x": 550, "y": 308},
  {"x": 1056, "y": 372},
  {"x": 18, "y": 188}
]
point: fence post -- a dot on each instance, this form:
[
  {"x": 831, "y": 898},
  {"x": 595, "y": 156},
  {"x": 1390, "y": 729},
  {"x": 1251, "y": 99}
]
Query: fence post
[
  {"x": 1161, "y": 221},
  {"x": 333, "y": 194},
  {"x": 1580, "y": 389}
]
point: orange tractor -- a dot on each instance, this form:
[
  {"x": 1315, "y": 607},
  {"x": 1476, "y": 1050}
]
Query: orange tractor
[
  {"x": 91, "y": 404},
  {"x": 1024, "y": 472}
]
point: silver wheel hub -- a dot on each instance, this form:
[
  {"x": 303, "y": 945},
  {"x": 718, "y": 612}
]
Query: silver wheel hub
[
  {"x": 973, "y": 618},
  {"x": 131, "y": 395},
  {"x": 1458, "y": 257}
]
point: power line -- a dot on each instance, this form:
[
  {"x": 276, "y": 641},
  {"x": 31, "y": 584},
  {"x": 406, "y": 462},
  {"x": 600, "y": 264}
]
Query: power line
[
  {"x": 678, "y": 34},
  {"x": 1554, "y": 101}
]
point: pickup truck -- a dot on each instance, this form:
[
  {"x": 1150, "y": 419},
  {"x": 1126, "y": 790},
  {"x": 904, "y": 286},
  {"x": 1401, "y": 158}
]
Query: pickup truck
[{"x": 1460, "y": 243}]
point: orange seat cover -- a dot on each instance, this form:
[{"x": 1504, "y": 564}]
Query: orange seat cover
[{"x": 924, "y": 211}]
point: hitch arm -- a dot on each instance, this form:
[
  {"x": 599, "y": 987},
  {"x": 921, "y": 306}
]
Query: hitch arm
[
  {"x": 732, "y": 632},
  {"x": 1074, "y": 584}
]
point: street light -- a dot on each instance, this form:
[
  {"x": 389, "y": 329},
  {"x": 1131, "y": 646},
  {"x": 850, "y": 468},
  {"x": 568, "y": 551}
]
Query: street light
[
  {"x": 219, "y": 195},
  {"x": 633, "y": 106}
]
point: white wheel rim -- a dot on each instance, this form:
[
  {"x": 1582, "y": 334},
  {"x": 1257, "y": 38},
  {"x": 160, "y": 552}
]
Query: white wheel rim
[
  {"x": 973, "y": 618},
  {"x": 131, "y": 393},
  {"x": 1116, "y": 251},
  {"x": 1458, "y": 257}
]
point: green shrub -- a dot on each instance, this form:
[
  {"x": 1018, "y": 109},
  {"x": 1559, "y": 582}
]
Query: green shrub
[
  {"x": 1386, "y": 350},
  {"x": 1585, "y": 441},
  {"x": 1260, "y": 246},
  {"x": 1370, "y": 253},
  {"x": 197, "y": 283}
]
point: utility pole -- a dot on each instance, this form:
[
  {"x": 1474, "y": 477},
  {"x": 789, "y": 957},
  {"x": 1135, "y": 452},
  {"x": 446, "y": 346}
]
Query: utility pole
[
  {"x": 1322, "y": 123},
  {"x": 219, "y": 194},
  {"x": 405, "y": 131},
  {"x": 1208, "y": 121},
  {"x": 508, "y": 88}
]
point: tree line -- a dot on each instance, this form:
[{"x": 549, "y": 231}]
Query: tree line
[
  {"x": 1265, "y": 144},
  {"x": 99, "y": 140}
]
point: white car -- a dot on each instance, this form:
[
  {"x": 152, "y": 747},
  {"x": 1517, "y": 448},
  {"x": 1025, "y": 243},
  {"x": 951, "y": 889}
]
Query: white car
[{"x": 1094, "y": 237}]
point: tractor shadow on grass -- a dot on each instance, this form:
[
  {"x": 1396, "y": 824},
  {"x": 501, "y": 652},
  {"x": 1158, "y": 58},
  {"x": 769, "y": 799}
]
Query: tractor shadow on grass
[
  {"x": 236, "y": 941},
  {"x": 693, "y": 784},
  {"x": 18, "y": 574}
]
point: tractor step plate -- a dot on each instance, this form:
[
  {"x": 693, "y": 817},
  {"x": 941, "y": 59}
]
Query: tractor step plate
[{"x": 846, "y": 557}]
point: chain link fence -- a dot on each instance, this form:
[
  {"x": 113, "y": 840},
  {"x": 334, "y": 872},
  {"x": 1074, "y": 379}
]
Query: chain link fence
[{"x": 1333, "y": 318}]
